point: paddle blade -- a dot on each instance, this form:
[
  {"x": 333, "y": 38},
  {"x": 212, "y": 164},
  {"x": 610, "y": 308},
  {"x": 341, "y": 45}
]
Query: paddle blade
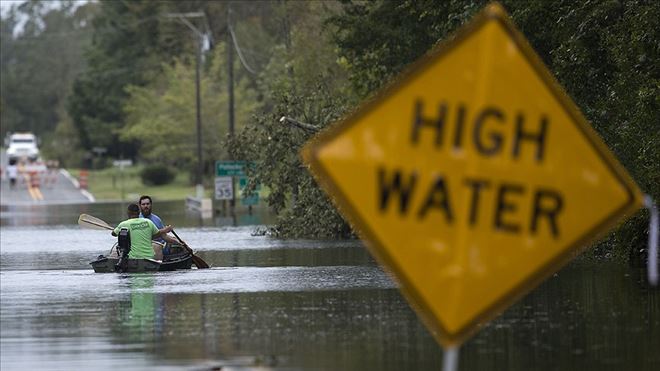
[
  {"x": 199, "y": 262},
  {"x": 90, "y": 222}
]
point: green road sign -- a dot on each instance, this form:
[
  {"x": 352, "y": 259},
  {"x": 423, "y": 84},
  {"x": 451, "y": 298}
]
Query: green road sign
[
  {"x": 253, "y": 199},
  {"x": 231, "y": 168},
  {"x": 224, "y": 170}
]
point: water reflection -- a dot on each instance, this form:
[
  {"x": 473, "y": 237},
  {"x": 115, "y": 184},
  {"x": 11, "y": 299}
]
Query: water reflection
[
  {"x": 597, "y": 316},
  {"x": 138, "y": 320}
]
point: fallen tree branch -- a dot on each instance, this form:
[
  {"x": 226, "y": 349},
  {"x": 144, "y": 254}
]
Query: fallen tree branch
[{"x": 301, "y": 125}]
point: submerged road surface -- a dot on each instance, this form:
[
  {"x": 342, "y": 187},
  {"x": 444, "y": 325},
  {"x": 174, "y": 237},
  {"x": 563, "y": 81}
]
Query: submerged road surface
[
  {"x": 270, "y": 304},
  {"x": 38, "y": 185}
]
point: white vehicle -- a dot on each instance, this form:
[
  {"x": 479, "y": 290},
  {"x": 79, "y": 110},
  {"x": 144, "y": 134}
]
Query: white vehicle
[{"x": 22, "y": 146}]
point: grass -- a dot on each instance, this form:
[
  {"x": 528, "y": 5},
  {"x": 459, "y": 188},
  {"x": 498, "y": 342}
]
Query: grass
[{"x": 113, "y": 184}]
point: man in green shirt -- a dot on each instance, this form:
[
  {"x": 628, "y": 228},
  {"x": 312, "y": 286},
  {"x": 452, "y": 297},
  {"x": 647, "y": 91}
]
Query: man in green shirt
[{"x": 141, "y": 231}]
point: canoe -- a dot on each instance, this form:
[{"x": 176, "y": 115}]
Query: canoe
[{"x": 178, "y": 259}]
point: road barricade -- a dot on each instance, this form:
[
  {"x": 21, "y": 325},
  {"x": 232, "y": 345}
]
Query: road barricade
[
  {"x": 82, "y": 179},
  {"x": 34, "y": 179}
]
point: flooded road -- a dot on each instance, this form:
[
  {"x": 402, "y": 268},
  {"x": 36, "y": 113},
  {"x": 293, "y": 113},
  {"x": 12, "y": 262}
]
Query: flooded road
[{"x": 284, "y": 305}]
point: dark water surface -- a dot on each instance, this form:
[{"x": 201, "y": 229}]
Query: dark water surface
[{"x": 284, "y": 305}]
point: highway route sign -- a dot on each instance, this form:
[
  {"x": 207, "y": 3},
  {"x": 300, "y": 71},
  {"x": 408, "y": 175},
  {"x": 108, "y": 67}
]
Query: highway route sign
[{"x": 224, "y": 188}]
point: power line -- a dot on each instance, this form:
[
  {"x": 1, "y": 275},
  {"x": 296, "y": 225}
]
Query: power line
[
  {"x": 238, "y": 49},
  {"x": 106, "y": 27}
]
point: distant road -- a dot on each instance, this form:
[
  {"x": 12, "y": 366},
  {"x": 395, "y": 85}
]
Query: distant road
[{"x": 39, "y": 186}]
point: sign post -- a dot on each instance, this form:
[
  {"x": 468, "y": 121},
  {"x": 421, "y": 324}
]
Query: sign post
[{"x": 473, "y": 177}]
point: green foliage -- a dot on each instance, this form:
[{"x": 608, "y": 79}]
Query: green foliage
[
  {"x": 304, "y": 81},
  {"x": 604, "y": 53},
  {"x": 38, "y": 63},
  {"x": 377, "y": 39},
  {"x": 157, "y": 174},
  {"x": 63, "y": 144},
  {"x": 303, "y": 210},
  {"x": 162, "y": 115},
  {"x": 131, "y": 42}
]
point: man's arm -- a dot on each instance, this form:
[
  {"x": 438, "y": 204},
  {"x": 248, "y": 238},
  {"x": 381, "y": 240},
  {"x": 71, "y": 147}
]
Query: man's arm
[
  {"x": 163, "y": 232},
  {"x": 169, "y": 238}
]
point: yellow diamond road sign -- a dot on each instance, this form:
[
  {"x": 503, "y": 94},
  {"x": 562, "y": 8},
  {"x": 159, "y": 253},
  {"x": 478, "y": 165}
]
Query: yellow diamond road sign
[{"x": 472, "y": 177}]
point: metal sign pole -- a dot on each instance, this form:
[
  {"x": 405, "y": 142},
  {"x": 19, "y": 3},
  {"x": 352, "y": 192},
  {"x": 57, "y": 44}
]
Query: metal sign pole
[
  {"x": 450, "y": 358},
  {"x": 652, "y": 263},
  {"x": 230, "y": 91}
]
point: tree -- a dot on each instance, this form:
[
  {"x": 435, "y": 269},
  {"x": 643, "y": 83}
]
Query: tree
[
  {"x": 39, "y": 62},
  {"x": 378, "y": 39},
  {"x": 603, "y": 52},
  {"x": 131, "y": 41},
  {"x": 162, "y": 117},
  {"x": 305, "y": 81}
]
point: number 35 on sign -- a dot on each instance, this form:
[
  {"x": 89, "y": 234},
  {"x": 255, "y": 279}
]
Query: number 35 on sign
[{"x": 223, "y": 188}]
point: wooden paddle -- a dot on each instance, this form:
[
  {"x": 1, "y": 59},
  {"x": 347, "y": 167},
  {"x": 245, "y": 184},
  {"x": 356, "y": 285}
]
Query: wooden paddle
[
  {"x": 91, "y": 222},
  {"x": 199, "y": 262},
  {"x": 88, "y": 221}
]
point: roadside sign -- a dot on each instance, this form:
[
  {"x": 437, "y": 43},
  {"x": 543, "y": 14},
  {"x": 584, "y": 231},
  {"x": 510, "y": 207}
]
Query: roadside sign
[
  {"x": 231, "y": 168},
  {"x": 473, "y": 177},
  {"x": 122, "y": 163},
  {"x": 224, "y": 189},
  {"x": 252, "y": 199},
  {"x": 224, "y": 171}
]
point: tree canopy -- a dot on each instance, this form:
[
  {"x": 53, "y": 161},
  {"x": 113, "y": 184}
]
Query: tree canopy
[
  {"x": 602, "y": 52},
  {"x": 41, "y": 54}
]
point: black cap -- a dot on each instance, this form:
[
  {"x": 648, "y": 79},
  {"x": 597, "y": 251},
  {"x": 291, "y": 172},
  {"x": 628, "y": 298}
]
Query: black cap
[{"x": 133, "y": 208}]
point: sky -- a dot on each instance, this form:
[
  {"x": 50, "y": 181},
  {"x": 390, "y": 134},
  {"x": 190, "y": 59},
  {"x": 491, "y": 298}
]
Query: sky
[{"x": 6, "y": 4}]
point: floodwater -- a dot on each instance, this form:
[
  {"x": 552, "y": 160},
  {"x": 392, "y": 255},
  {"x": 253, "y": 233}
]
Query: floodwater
[{"x": 283, "y": 305}]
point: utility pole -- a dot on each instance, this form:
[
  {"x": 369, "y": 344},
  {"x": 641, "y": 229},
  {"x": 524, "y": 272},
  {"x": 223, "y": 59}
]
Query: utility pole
[
  {"x": 230, "y": 91},
  {"x": 230, "y": 74},
  {"x": 183, "y": 17},
  {"x": 199, "y": 188}
]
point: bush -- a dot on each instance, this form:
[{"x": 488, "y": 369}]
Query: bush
[{"x": 157, "y": 174}]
